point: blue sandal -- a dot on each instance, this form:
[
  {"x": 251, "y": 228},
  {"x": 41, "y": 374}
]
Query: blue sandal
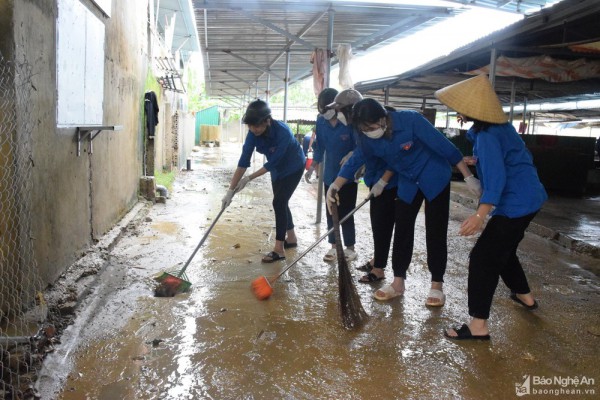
[{"x": 272, "y": 257}]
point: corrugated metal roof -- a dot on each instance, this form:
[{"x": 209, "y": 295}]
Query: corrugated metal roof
[
  {"x": 185, "y": 35},
  {"x": 513, "y": 6},
  {"x": 245, "y": 43},
  {"x": 552, "y": 31}
]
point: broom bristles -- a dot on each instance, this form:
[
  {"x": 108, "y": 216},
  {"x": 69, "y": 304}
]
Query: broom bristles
[
  {"x": 351, "y": 309},
  {"x": 261, "y": 287}
]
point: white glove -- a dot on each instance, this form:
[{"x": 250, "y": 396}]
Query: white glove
[
  {"x": 346, "y": 158},
  {"x": 377, "y": 188},
  {"x": 474, "y": 185},
  {"x": 332, "y": 196},
  {"x": 242, "y": 184},
  {"x": 308, "y": 173},
  {"x": 360, "y": 172},
  {"x": 227, "y": 198}
]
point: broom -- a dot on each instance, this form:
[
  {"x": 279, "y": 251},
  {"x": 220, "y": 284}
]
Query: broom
[
  {"x": 262, "y": 286},
  {"x": 351, "y": 309},
  {"x": 171, "y": 284}
]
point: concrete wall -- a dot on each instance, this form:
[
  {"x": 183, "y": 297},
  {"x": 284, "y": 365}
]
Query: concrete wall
[{"x": 77, "y": 199}]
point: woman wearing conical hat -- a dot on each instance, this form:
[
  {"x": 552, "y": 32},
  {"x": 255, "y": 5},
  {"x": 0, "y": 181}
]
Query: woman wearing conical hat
[{"x": 512, "y": 194}]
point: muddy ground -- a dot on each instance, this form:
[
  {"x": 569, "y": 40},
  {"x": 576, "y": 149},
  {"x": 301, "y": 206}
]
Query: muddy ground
[{"x": 219, "y": 342}]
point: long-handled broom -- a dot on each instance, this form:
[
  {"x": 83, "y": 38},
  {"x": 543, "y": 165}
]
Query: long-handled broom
[
  {"x": 171, "y": 284},
  {"x": 262, "y": 286},
  {"x": 351, "y": 309}
]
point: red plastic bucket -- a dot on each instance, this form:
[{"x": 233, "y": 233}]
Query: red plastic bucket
[{"x": 308, "y": 163}]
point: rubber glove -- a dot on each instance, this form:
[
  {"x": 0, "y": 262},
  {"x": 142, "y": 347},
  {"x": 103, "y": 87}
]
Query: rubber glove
[
  {"x": 332, "y": 196},
  {"x": 227, "y": 198},
  {"x": 242, "y": 183},
  {"x": 308, "y": 173},
  {"x": 346, "y": 158},
  {"x": 360, "y": 173},
  {"x": 474, "y": 185},
  {"x": 377, "y": 188}
]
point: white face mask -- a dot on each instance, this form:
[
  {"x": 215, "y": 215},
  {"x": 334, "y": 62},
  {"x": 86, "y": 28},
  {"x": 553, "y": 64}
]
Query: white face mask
[
  {"x": 376, "y": 134},
  {"x": 329, "y": 114},
  {"x": 342, "y": 118}
]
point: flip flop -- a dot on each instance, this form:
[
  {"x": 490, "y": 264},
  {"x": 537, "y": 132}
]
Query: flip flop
[
  {"x": 388, "y": 293},
  {"x": 367, "y": 267},
  {"x": 464, "y": 333},
  {"x": 272, "y": 257},
  {"x": 288, "y": 245},
  {"x": 514, "y": 297},
  {"x": 435, "y": 294},
  {"x": 370, "y": 278}
]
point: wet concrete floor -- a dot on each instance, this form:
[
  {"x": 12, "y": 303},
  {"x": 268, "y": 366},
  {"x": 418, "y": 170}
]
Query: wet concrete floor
[{"x": 219, "y": 342}]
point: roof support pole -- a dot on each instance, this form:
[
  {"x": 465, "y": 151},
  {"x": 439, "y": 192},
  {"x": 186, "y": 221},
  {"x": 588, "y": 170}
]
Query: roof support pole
[
  {"x": 268, "y": 91},
  {"x": 386, "y": 96},
  {"x": 512, "y": 100},
  {"x": 287, "y": 82},
  {"x": 493, "y": 67},
  {"x": 320, "y": 187},
  {"x": 524, "y": 112}
]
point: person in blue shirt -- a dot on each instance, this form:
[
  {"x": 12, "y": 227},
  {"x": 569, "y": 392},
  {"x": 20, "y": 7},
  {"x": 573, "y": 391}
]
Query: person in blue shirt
[
  {"x": 335, "y": 144},
  {"x": 422, "y": 158},
  {"x": 285, "y": 162},
  {"x": 308, "y": 141},
  {"x": 511, "y": 193},
  {"x": 382, "y": 206}
]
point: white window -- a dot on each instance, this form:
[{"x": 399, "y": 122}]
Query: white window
[{"x": 79, "y": 65}]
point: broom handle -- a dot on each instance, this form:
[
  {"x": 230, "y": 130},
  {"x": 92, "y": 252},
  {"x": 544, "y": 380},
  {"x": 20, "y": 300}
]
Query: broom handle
[
  {"x": 200, "y": 244},
  {"x": 312, "y": 246}
]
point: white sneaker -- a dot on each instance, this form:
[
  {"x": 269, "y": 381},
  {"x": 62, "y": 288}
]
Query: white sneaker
[
  {"x": 350, "y": 254},
  {"x": 330, "y": 256}
]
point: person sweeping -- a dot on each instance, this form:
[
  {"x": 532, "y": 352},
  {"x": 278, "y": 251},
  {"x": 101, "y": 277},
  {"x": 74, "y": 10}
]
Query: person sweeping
[
  {"x": 285, "y": 162},
  {"x": 422, "y": 158},
  {"x": 511, "y": 193}
]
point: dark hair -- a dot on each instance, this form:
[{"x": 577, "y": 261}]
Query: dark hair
[
  {"x": 327, "y": 96},
  {"x": 256, "y": 112},
  {"x": 367, "y": 111},
  {"x": 478, "y": 125}
]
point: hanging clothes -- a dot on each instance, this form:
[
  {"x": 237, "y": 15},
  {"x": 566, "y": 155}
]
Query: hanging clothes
[
  {"x": 151, "y": 110},
  {"x": 319, "y": 61},
  {"x": 344, "y": 54}
]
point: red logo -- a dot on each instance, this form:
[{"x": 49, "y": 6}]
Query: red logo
[{"x": 407, "y": 145}]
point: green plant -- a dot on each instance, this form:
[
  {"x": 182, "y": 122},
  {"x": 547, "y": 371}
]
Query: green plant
[{"x": 165, "y": 179}]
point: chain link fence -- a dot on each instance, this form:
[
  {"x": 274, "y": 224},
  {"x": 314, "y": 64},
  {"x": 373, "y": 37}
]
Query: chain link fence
[{"x": 22, "y": 308}]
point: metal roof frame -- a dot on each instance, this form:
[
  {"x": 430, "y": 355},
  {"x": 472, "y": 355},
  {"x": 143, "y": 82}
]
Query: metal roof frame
[
  {"x": 549, "y": 32},
  {"x": 256, "y": 48},
  {"x": 246, "y": 44}
]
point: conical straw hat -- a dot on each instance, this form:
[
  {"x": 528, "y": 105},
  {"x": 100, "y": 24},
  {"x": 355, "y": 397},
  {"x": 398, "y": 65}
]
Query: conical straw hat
[{"x": 475, "y": 98}]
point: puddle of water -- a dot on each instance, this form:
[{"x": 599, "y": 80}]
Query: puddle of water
[{"x": 218, "y": 341}]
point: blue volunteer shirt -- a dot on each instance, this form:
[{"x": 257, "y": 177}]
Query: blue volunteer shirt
[
  {"x": 505, "y": 168},
  {"x": 418, "y": 153},
  {"x": 374, "y": 170},
  {"x": 336, "y": 142},
  {"x": 282, "y": 150}
]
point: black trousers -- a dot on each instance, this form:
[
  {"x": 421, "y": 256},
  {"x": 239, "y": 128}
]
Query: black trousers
[
  {"x": 437, "y": 212},
  {"x": 283, "y": 189},
  {"x": 495, "y": 256},
  {"x": 347, "y": 195},
  {"x": 382, "y": 224}
]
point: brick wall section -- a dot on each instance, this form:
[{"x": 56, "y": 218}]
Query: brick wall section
[{"x": 175, "y": 137}]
